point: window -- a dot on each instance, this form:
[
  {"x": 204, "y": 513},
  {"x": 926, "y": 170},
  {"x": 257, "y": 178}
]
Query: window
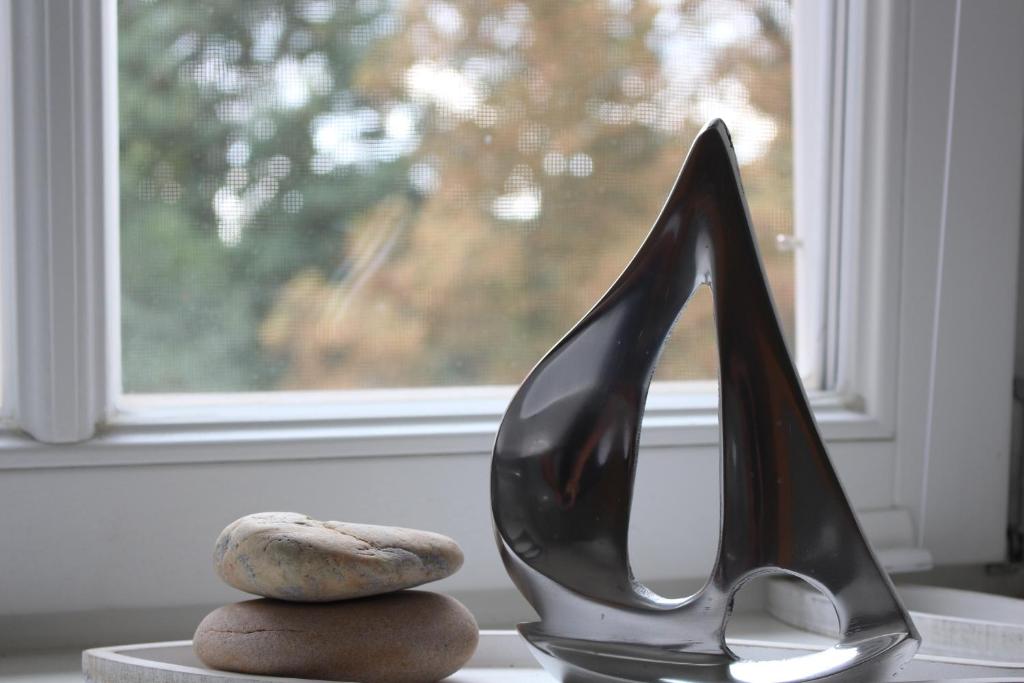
[
  {"x": 899, "y": 313},
  {"x": 353, "y": 195}
]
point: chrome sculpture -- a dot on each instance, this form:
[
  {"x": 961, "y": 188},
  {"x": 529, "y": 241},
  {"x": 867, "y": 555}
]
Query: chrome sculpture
[{"x": 566, "y": 452}]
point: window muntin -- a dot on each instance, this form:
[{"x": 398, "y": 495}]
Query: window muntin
[{"x": 320, "y": 195}]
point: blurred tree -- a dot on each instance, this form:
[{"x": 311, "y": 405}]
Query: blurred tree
[
  {"x": 419, "y": 193},
  {"x": 224, "y": 195}
]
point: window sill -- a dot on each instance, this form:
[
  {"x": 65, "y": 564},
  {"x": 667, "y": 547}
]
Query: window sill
[
  {"x": 369, "y": 424},
  {"x": 502, "y": 656}
]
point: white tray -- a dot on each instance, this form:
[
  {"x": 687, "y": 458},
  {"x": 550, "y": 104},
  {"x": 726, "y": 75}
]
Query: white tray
[
  {"x": 988, "y": 629},
  {"x": 502, "y": 657}
]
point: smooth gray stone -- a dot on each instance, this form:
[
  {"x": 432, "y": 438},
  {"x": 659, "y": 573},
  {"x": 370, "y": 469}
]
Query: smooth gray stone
[
  {"x": 404, "y": 637},
  {"x": 290, "y": 556}
]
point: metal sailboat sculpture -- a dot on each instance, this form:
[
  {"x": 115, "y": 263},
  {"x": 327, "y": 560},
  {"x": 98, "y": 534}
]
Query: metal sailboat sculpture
[{"x": 566, "y": 453}]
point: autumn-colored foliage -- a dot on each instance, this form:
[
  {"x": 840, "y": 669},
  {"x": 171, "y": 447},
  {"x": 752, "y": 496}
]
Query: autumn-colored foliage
[{"x": 336, "y": 195}]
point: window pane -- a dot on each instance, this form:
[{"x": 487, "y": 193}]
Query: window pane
[{"x": 321, "y": 194}]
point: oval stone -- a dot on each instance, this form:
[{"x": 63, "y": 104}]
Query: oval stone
[
  {"x": 289, "y": 556},
  {"x": 404, "y": 637}
]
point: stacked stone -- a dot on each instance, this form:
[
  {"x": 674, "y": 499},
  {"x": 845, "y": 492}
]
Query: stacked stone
[{"x": 335, "y": 604}]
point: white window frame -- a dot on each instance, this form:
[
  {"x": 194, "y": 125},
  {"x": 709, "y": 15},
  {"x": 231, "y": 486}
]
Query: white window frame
[
  {"x": 891, "y": 411},
  {"x": 76, "y": 344}
]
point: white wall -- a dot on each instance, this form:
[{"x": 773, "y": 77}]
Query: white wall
[
  {"x": 98, "y": 555},
  {"x": 125, "y": 537},
  {"x": 962, "y": 228},
  {"x": 1019, "y": 352}
]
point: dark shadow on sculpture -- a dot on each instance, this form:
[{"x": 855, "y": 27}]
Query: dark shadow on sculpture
[{"x": 565, "y": 457}]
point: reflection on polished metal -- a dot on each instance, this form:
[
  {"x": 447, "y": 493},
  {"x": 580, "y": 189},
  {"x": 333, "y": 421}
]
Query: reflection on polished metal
[{"x": 565, "y": 457}]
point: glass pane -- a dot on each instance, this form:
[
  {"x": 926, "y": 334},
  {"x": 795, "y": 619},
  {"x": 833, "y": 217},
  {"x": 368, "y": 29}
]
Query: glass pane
[{"x": 377, "y": 193}]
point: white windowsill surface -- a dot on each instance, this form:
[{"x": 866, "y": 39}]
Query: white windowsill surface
[
  {"x": 64, "y": 666},
  {"x": 503, "y": 657},
  {"x": 59, "y": 666},
  {"x": 161, "y": 430}
]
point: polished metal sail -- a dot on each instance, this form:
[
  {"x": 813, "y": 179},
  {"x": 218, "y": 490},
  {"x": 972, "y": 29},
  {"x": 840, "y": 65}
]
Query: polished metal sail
[{"x": 566, "y": 453}]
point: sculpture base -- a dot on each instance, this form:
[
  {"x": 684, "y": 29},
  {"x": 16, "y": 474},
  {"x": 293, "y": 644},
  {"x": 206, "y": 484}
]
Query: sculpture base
[{"x": 587, "y": 661}]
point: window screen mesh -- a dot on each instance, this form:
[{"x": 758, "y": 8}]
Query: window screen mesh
[{"x": 320, "y": 194}]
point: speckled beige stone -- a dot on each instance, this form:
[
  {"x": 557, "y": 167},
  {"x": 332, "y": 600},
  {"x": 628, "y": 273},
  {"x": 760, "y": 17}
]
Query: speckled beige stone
[
  {"x": 289, "y": 556},
  {"x": 404, "y": 637}
]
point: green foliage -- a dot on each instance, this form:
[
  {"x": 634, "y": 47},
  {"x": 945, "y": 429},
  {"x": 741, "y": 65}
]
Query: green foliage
[{"x": 192, "y": 304}]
